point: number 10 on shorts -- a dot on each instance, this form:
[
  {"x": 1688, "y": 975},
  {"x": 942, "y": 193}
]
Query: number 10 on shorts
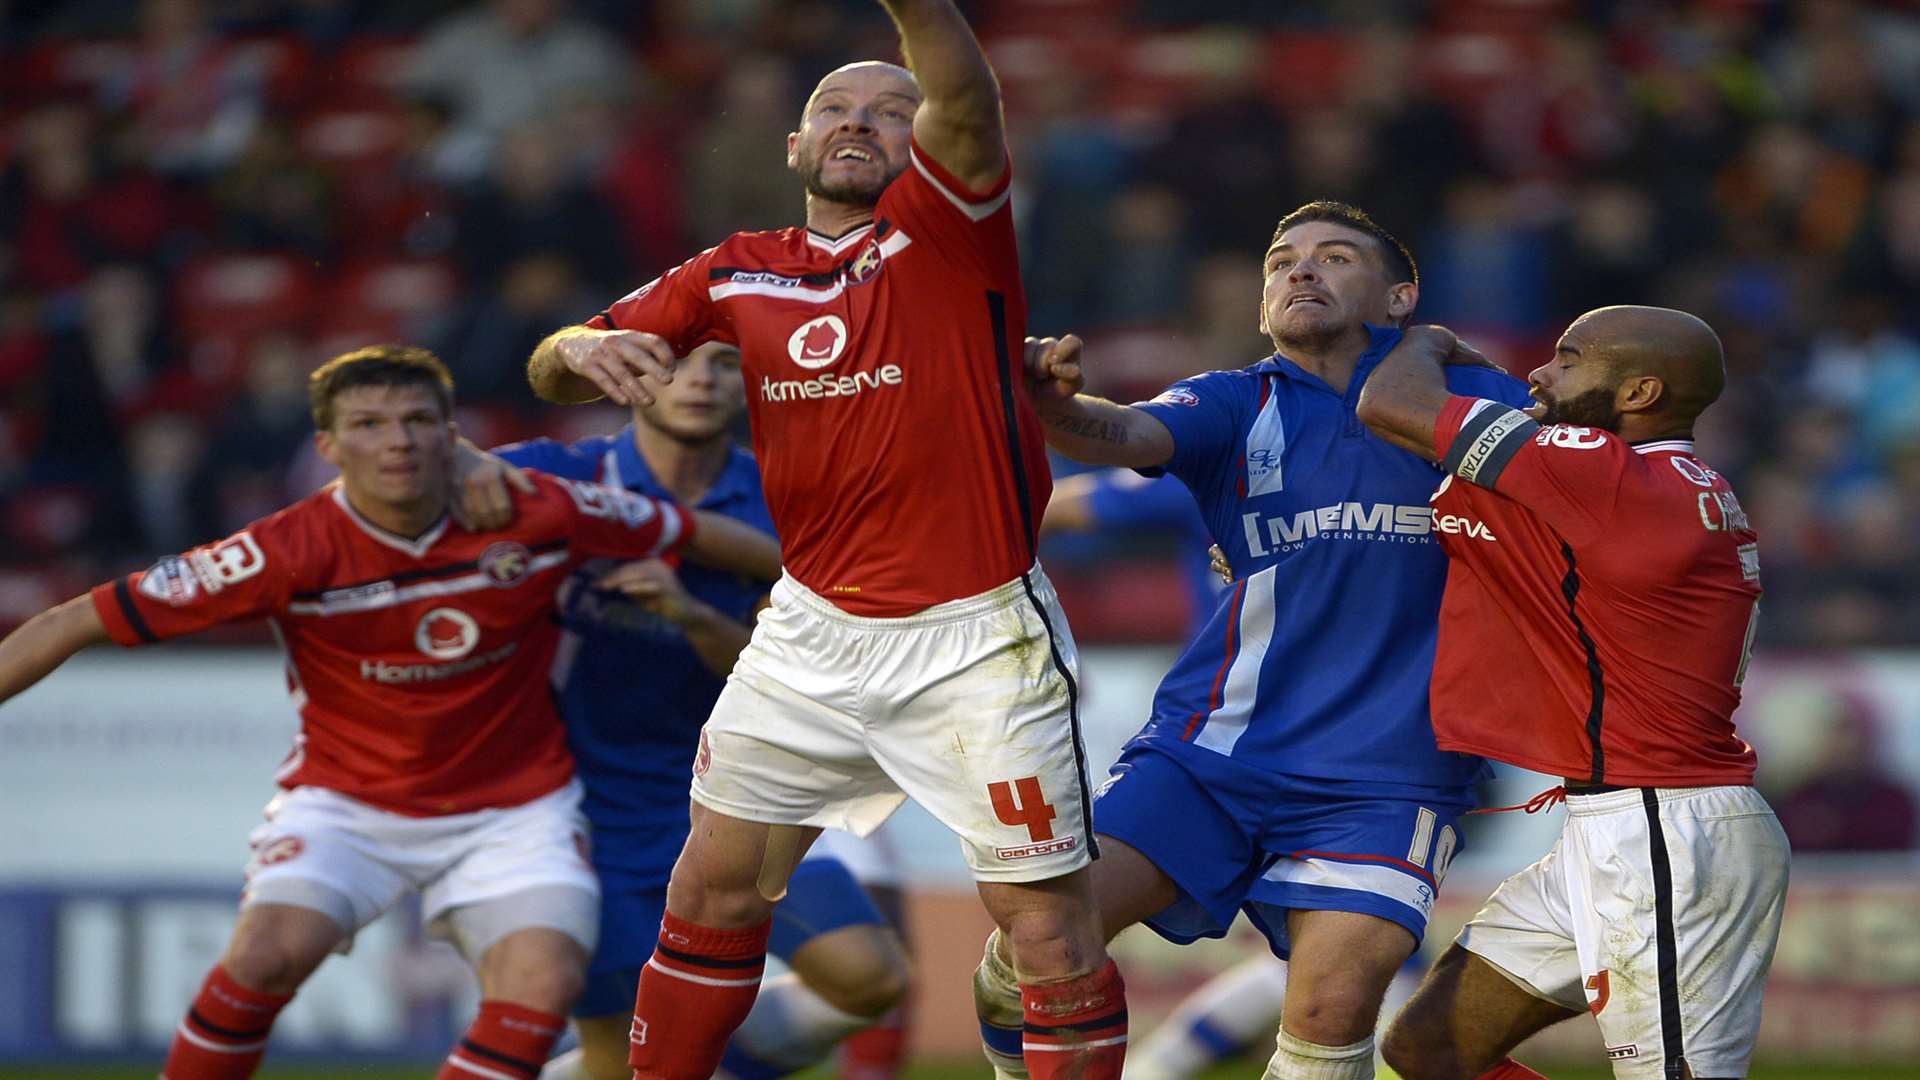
[{"x": 1031, "y": 808}]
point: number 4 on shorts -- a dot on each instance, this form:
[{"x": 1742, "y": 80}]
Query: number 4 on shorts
[{"x": 1032, "y": 809}]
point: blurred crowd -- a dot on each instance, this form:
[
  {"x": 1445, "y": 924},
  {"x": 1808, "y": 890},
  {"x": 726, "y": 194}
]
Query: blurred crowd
[{"x": 202, "y": 199}]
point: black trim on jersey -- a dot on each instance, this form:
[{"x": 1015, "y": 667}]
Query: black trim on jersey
[
  {"x": 124, "y": 594},
  {"x": 1487, "y": 442},
  {"x": 606, "y": 315},
  {"x": 425, "y": 573},
  {"x": 1596, "y": 709},
  {"x": 1666, "y": 944},
  {"x": 698, "y": 960},
  {"x": 882, "y": 228},
  {"x": 234, "y": 1034},
  {"x": 1116, "y": 1017},
  {"x": 997, "y": 317},
  {"x": 724, "y": 273},
  {"x": 530, "y": 1068}
]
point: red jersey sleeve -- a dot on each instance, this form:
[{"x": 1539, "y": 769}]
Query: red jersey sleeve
[
  {"x": 245, "y": 576},
  {"x": 623, "y": 525},
  {"x": 1568, "y": 475},
  {"x": 972, "y": 230},
  {"x": 676, "y": 305}
]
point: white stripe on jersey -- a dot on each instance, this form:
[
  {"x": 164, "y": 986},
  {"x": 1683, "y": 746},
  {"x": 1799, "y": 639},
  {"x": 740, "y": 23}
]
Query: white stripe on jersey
[
  {"x": 1678, "y": 446},
  {"x": 1380, "y": 879},
  {"x": 835, "y": 247},
  {"x": 894, "y": 244},
  {"x": 1226, "y": 724},
  {"x": 974, "y": 211},
  {"x": 373, "y": 598}
]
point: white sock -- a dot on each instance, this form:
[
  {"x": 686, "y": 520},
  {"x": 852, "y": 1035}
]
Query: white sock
[
  {"x": 996, "y": 1001},
  {"x": 1298, "y": 1059},
  {"x": 571, "y": 1065},
  {"x": 1234, "y": 1009},
  {"x": 791, "y": 1027}
]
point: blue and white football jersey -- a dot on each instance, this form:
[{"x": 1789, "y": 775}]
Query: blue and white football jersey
[{"x": 1316, "y": 663}]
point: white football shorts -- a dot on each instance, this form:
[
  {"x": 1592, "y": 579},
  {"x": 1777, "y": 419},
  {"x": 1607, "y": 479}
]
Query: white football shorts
[
  {"x": 1658, "y": 911},
  {"x": 481, "y": 875},
  {"x": 968, "y": 707}
]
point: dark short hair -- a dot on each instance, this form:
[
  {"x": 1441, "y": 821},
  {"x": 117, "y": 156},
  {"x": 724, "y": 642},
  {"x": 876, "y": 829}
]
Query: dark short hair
[
  {"x": 1398, "y": 260},
  {"x": 377, "y": 365}
]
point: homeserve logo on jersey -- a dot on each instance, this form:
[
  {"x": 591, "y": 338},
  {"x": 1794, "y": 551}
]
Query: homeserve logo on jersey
[
  {"x": 816, "y": 344},
  {"x": 445, "y": 634},
  {"x": 1270, "y": 535}
]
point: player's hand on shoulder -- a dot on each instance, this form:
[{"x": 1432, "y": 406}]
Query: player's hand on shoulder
[
  {"x": 1053, "y": 368},
  {"x": 483, "y": 486},
  {"x": 619, "y": 362},
  {"x": 653, "y": 585},
  {"x": 1453, "y": 349}
]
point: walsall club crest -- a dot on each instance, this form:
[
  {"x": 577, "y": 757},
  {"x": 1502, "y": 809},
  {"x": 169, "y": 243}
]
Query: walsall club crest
[
  {"x": 506, "y": 563},
  {"x": 866, "y": 264}
]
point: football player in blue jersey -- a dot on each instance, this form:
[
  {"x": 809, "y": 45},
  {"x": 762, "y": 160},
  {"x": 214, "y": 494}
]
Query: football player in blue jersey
[
  {"x": 634, "y": 739},
  {"x": 1288, "y": 769}
]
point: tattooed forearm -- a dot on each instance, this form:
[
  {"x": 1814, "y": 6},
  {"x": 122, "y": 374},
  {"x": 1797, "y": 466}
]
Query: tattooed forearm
[{"x": 1088, "y": 427}]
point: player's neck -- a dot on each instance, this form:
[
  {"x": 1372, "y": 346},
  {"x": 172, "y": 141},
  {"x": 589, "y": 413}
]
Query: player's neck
[
  {"x": 409, "y": 521},
  {"x": 829, "y": 218},
  {"x": 686, "y": 469},
  {"x": 1332, "y": 363},
  {"x": 1637, "y": 429}
]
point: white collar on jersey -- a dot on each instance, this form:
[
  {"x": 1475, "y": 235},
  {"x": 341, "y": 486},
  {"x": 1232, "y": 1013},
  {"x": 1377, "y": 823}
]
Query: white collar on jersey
[
  {"x": 1665, "y": 446},
  {"x": 836, "y": 245},
  {"x": 417, "y": 548}
]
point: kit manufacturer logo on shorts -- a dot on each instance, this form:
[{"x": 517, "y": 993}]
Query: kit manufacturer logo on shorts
[
  {"x": 1029, "y": 851},
  {"x": 284, "y": 849},
  {"x": 1621, "y": 1053},
  {"x": 446, "y": 633},
  {"x": 818, "y": 342}
]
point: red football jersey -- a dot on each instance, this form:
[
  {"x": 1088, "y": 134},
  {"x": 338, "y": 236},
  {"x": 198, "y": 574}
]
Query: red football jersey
[
  {"x": 902, "y": 462},
  {"x": 1600, "y": 604},
  {"x": 419, "y": 667}
]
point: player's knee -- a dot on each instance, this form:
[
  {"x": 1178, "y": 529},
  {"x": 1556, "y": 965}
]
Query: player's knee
[
  {"x": 1332, "y": 1013},
  {"x": 1415, "y": 1057},
  {"x": 265, "y": 963},
  {"x": 1055, "y": 940},
  {"x": 540, "y": 970},
  {"x": 862, "y": 970}
]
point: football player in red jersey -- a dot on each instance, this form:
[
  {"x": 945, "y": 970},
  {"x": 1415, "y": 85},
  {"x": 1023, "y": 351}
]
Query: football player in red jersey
[
  {"x": 914, "y": 647},
  {"x": 430, "y": 757},
  {"x": 1597, "y": 620}
]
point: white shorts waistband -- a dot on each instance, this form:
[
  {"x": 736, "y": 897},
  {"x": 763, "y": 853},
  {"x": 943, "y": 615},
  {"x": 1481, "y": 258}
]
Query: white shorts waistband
[
  {"x": 966, "y": 607},
  {"x": 1614, "y": 802}
]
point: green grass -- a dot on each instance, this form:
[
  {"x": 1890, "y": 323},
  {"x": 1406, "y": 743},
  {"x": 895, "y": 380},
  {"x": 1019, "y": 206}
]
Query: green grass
[{"x": 953, "y": 1071}]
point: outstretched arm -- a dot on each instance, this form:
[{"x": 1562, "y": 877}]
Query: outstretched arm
[
  {"x": 1083, "y": 427},
  {"x": 959, "y": 121},
  {"x": 1403, "y": 397},
  {"x": 45, "y": 641},
  {"x": 577, "y": 364},
  {"x": 727, "y": 544}
]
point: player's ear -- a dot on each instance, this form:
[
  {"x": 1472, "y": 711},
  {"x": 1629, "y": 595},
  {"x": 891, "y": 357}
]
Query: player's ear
[
  {"x": 328, "y": 449},
  {"x": 793, "y": 150},
  {"x": 1641, "y": 393},
  {"x": 1401, "y": 299},
  {"x": 1263, "y": 315}
]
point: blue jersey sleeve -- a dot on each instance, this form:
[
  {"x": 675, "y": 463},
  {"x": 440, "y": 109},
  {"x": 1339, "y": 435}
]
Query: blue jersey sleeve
[
  {"x": 578, "y": 461},
  {"x": 1486, "y": 383},
  {"x": 1203, "y": 415}
]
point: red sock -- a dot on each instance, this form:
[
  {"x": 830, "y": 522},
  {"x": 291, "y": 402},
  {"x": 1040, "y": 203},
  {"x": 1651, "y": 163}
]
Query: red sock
[
  {"x": 1076, "y": 1028},
  {"x": 505, "y": 1040},
  {"x": 224, "y": 1035},
  {"x": 696, "y": 989},
  {"x": 1510, "y": 1069},
  {"x": 876, "y": 1053}
]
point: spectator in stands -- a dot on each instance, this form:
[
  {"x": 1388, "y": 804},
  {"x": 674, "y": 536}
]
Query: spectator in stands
[
  {"x": 507, "y": 64},
  {"x": 532, "y": 203},
  {"x": 1851, "y": 802},
  {"x": 195, "y": 97}
]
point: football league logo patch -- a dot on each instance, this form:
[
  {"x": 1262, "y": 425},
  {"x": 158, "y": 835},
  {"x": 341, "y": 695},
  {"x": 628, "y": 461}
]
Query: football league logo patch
[
  {"x": 446, "y": 634},
  {"x": 284, "y": 849},
  {"x": 170, "y": 581},
  {"x": 818, "y": 342}
]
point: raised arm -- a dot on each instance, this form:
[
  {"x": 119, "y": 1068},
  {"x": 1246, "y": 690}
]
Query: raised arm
[
  {"x": 726, "y": 544},
  {"x": 1403, "y": 397},
  {"x": 959, "y": 121},
  {"x": 1085, "y": 428},
  {"x": 576, "y": 364},
  {"x": 45, "y": 641}
]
